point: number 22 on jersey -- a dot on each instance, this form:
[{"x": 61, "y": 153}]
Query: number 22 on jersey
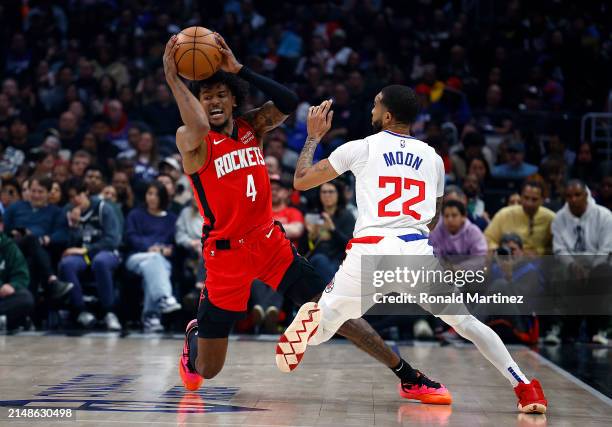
[{"x": 396, "y": 183}]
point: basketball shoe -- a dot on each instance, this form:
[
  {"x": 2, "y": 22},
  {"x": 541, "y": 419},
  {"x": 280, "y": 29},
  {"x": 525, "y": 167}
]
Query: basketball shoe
[
  {"x": 425, "y": 391},
  {"x": 292, "y": 344},
  {"x": 191, "y": 379},
  {"x": 531, "y": 398}
]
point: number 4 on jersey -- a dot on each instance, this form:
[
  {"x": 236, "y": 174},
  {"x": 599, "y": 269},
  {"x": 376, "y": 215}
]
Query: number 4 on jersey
[
  {"x": 250, "y": 190},
  {"x": 396, "y": 181}
]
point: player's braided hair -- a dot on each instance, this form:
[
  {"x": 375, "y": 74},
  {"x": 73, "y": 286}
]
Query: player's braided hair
[{"x": 238, "y": 87}]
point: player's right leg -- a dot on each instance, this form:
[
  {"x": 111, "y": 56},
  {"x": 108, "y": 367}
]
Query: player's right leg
[
  {"x": 205, "y": 347},
  {"x": 530, "y": 395}
]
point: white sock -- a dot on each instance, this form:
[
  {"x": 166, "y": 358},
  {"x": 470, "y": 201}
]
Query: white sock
[{"x": 489, "y": 344}]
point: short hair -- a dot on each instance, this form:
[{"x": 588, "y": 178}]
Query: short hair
[
  {"x": 511, "y": 237},
  {"x": 162, "y": 193},
  {"x": 94, "y": 168},
  {"x": 43, "y": 181},
  {"x": 77, "y": 185},
  {"x": 533, "y": 183},
  {"x": 576, "y": 182},
  {"x": 12, "y": 182},
  {"x": 82, "y": 153},
  {"x": 401, "y": 102},
  {"x": 450, "y": 189},
  {"x": 455, "y": 204},
  {"x": 238, "y": 87}
]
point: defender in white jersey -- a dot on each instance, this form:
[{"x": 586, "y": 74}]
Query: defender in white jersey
[{"x": 399, "y": 188}]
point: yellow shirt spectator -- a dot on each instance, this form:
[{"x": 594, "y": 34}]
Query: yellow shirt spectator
[{"x": 535, "y": 231}]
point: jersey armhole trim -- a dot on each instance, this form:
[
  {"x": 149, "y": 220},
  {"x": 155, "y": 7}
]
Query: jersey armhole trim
[{"x": 209, "y": 155}]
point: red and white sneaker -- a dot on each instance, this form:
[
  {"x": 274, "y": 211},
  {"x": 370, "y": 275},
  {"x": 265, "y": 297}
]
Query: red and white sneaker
[
  {"x": 191, "y": 379},
  {"x": 425, "y": 391},
  {"x": 292, "y": 344},
  {"x": 531, "y": 399}
]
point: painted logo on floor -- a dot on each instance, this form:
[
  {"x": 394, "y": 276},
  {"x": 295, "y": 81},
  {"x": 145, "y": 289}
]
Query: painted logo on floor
[{"x": 91, "y": 392}]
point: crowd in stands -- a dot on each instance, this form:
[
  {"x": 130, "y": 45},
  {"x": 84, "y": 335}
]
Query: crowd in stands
[{"x": 98, "y": 219}]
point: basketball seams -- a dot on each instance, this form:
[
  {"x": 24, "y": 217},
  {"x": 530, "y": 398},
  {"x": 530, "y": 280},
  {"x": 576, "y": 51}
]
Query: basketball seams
[
  {"x": 193, "y": 74},
  {"x": 208, "y": 60},
  {"x": 192, "y": 40}
]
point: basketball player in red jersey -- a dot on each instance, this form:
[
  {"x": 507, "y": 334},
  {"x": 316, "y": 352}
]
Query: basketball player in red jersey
[{"x": 223, "y": 157}]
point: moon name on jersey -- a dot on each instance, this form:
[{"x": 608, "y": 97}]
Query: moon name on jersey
[
  {"x": 238, "y": 159},
  {"x": 402, "y": 158}
]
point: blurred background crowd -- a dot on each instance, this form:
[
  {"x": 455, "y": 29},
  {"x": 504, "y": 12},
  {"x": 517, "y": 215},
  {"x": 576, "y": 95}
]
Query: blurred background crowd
[{"x": 99, "y": 225}]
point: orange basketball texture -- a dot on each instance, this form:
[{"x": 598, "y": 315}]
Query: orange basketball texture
[{"x": 198, "y": 56}]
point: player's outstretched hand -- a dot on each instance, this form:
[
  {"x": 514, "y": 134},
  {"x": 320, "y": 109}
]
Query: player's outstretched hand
[
  {"x": 229, "y": 62},
  {"x": 319, "y": 119},
  {"x": 170, "y": 69}
]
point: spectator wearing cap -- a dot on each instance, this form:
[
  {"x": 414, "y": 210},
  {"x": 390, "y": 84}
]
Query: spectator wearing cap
[
  {"x": 172, "y": 167},
  {"x": 94, "y": 238},
  {"x": 515, "y": 167},
  {"x": 16, "y": 301},
  {"x": 457, "y": 235},
  {"x": 530, "y": 220},
  {"x": 149, "y": 235}
]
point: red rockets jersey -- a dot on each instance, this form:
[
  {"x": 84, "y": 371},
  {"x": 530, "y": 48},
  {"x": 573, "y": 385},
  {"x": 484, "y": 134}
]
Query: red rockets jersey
[{"x": 233, "y": 188}]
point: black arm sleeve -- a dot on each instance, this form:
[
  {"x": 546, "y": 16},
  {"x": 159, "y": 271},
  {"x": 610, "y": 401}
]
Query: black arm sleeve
[{"x": 284, "y": 99}]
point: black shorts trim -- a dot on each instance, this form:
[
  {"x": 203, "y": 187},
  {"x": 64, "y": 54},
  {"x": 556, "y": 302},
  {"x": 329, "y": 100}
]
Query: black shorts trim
[
  {"x": 301, "y": 282},
  {"x": 215, "y": 322}
]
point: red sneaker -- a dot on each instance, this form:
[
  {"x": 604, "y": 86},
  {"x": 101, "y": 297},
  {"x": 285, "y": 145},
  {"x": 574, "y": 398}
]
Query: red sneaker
[
  {"x": 531, "y": 398},
  {"x": 292, "y": 344},
  {"x": 425, "y": 391},
  {"x": 191, "y": 379}
]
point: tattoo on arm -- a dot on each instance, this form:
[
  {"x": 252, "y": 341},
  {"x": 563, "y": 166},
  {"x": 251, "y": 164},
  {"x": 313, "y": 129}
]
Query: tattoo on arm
[
  {"x": 305, "y": 160},
  {"x": 265, "y": 118}
]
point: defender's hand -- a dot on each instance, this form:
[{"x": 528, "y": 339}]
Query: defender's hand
[
  {"x": 229, "y": 62},
  {"x": 170, "y": 69},
  {"x": 319, "y": 120}
]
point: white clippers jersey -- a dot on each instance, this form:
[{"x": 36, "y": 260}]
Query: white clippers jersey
[{"x": 398, "y": 181}]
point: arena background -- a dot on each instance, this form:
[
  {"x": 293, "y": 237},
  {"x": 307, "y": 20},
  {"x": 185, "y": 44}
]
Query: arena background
[{"x": 509, "y": 91}]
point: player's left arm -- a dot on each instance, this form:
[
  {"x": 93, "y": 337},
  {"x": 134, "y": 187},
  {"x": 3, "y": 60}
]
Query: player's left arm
[
  {"x": 283, "y": 100},
  {"x": 308, "y": 175}
]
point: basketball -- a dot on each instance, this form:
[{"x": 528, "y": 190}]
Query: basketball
[{"x": 198, "y": 56}]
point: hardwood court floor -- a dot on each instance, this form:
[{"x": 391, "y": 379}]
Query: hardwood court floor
[{"x": 112, "y": 381}]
